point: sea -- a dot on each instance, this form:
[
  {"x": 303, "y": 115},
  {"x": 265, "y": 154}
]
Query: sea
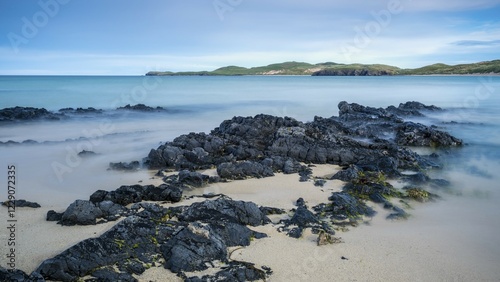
[{"x": 50, "y": 172}]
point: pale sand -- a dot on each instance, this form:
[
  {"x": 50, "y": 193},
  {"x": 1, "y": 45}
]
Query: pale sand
[{"x": 423, "y": 248}]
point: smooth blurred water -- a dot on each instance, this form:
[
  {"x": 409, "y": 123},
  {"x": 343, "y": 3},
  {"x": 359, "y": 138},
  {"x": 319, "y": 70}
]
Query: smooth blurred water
[
  {"x": 52, "y": 174},
  {"x": 198, "y": 104}
]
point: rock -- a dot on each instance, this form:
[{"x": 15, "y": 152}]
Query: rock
[
  {"x": 85, "y": 154},
  {"x": 27, "y": 113},
  {"x": 236, "y": 271},
  {"x": 54, "y": 216},
  {"x": 108, "y": 274},
  {"x": 17, "y": 275},
  {"x": 348, "y": 174},
  {"x": 193, "y": 178},
  {"x": 132, "y": 166},
  {"x": 418, "y": 106},
  {"x": 141, "y": 108},
  {"x": 243, "y": 170},
  {"x": 21, "y": 204},
  {"x": 319, "y": 182},
  {"x": 414, "y": 134},
  {"x": 225, "y": 210},
  {"x": 303, "y": 218},
  {"x": 81, "y": 212},
  {"x": 345, "y": 206}
]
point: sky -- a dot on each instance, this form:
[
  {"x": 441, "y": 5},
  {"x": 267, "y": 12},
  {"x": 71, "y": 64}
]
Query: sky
[{"x": 127, "y": 37}]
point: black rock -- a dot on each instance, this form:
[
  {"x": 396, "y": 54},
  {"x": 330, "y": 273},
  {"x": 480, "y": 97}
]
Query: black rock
[
  {"x": 27, "y": 113},
  {"x": 236, "y": 271},
  {"x": 109, "y": 275},
  {"x": 131, "y": 166},
  {"x": 21, "y": 204},
  {"x": 348, "y": 174},
  {"x": 85, "y": 154},
  {"x": 192, "y": 248},
  {"x": 243, "y": 170},
  {"x": 345, "y": 206},
  {"x": 54, "y": 216},
  {"x": 225, "y": 210},
  {"x": 141, "y": 108},
  {"x": 81, "y": 212},
  {"x": 17, "y": 275},
  {"x": 193, "y": 178}
]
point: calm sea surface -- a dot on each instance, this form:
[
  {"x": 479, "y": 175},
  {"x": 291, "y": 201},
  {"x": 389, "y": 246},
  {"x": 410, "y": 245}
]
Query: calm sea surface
[{"x": 51, "y": 173}]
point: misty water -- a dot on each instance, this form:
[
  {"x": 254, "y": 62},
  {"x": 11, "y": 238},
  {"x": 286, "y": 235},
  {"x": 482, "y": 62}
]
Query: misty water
[{"x": 50, "y": 172}]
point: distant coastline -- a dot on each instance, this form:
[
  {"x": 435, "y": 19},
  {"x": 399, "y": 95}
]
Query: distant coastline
[{"x": 335, "y": 69}]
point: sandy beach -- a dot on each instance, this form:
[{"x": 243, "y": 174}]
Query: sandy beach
[{"x": 421, "y": 248}]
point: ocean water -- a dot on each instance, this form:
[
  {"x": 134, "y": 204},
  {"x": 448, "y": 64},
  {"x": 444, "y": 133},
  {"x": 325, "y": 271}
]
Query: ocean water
[{"x": 51, "y": 173}]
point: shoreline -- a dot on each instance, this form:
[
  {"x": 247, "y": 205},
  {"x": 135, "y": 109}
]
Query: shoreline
[
  {"x": 372, "y": 251},
  {"x": 369, "y": 181}
]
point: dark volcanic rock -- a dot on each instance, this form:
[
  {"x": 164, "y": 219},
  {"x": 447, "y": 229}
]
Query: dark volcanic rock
[
  {"x": 192, "y": 248},
  {"x": 21, "y": 204},
  {"x": 141, "y": 107},
  {"x": 348, "y": 174},
  {"x": 259, "y": 146},
  {"x": 193, "y": 178},
  {"x": 81, "y": 212},
  {"x": 237, "y": 271},
  {"x": 414, "y": 134},
  {"x": 225, "y": 210},
  {"x": 131, "y": 166},
  {"x": 344, "y": 206},
  {"x": 243, "y": 170},
  {"x": 27, "y": 113},
  {"x": 86, "y": 154},
  {"x": 54, "y": 216},
  {"x": 16, "y": 275}
]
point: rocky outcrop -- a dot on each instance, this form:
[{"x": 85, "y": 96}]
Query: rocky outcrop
[
  {"x": 183, "y": 239},
  {"x": 21, "y": 204},
  {"x": 27, "y": 113},
  {"x": 371, "y": 138},
  {"x": 141, "y": 108}
]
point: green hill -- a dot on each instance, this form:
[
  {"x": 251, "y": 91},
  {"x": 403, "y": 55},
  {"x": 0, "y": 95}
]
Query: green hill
[{"x": 336, "y": 69}]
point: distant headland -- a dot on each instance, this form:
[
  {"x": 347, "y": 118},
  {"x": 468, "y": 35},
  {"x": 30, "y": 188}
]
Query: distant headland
[{"x": 335, "y": 69}]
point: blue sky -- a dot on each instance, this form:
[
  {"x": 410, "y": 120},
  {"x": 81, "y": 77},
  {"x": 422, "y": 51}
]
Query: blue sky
[{"x": 125, "y": 37}]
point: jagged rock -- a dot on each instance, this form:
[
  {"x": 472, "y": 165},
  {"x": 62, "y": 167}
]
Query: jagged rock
[
  {"x": 27, "y": 113},
  {"x": 131, "y": 166},
  {"x": 193, "y": 178},
  {"x": 21, "y": 204},
  {"x": 348, "y": 174},
  {"x": 54, "y": 216},
  {"x": 236, "y": 271},
  {"x": 81, "y": 212},
  {"x": 414, "y": 134},
  {"x": 17, "y": 275},
  {"x": 243, "y": 170},
  {"x": 265, "y": 143},
  {"x": 109, "y": 275},
  {"x": 136, "y": 193},
  {"x": 303, "y": 218},
  {"x": 344, "y": 206},
  {"x": 225, "y": 210},
  {"x": 141, "y": 108}
]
